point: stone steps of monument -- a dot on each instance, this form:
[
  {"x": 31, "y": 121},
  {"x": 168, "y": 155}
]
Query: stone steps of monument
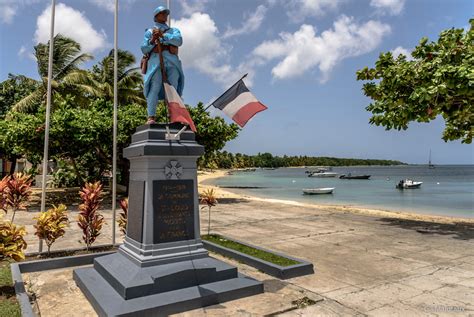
[
  {"x": 107, "y": 302},
  {"x": 132, "y": 281}
]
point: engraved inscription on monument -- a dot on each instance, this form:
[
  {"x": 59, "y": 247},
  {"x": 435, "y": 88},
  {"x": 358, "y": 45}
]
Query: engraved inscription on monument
[{"x": 173, "y": 208}]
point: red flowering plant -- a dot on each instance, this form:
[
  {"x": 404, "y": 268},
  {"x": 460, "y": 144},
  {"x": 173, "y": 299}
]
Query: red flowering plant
[
  {"x": 89, "y": 220},
  {"x": 16, "y": 193},
  {"x": 122, "y": 221}
]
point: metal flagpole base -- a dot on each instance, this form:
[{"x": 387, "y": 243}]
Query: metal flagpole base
[{"x": 174, "y": 137}]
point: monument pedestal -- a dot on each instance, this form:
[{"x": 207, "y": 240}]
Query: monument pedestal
[{"x": 162, "y": 267}]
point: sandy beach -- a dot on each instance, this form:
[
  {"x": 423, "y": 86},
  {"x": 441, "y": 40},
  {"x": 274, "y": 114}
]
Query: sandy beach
[
  {"x": 225, "y": 193},
  {"x": 367, "y": 262}
]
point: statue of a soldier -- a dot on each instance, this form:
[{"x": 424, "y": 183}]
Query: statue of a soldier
[{"x": 168, "y": 39}]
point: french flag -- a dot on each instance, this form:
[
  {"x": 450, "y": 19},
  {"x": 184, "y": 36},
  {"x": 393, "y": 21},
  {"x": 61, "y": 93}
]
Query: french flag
[
  {"x": 239, "y": 103},
  {"x": 176, "y": 108}
]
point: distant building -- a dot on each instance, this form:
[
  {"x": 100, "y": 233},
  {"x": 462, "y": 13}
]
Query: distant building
[{"x": 6, "y": 165}]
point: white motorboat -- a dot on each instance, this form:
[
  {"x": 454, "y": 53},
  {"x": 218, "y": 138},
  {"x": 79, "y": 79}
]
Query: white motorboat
[
  {"x": 316, "y": 191},
  {"x": 408, "y": 184},
  {"x": 322, "y": 172}
]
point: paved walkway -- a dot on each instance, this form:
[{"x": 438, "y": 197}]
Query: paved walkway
[{"x": 363, "y": 265}]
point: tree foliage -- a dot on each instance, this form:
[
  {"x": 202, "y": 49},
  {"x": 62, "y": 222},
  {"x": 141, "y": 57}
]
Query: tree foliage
[
  {"x": 80, "y": 137},
  {"x": 12, "y": 90},
  {"x": 438, "y": 81},
  {"x": 130, "y": 83},
  {"x": 229, "y": 160},
  {"x": 67, "y": 77}
]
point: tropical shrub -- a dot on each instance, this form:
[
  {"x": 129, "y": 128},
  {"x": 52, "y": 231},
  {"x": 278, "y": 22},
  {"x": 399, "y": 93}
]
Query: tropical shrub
[
  {"x": 50, "y": 224},
  {"x": 64, "y": 176},
  {"x": 12, "y": 242},
  {"x": 89, "y": 220},
  {"x": 208, "y": 197},
  {"x": 122, "y": 221},
  {"x": 17, "y": 192}
]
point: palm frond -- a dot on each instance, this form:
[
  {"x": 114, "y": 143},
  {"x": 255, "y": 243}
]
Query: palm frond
[
  {"x": 30, "y": 102},
  {"x": 130, "y": 72},
  {"x": 73, "y": 65}
]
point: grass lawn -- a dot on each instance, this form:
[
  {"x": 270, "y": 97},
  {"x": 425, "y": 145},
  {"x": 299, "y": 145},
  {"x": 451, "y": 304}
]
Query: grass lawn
[
  {"x": 8, "y": 304},
  {"x": 263, "y": 255}
]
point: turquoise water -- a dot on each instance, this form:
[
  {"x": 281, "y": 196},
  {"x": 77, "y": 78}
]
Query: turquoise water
[{"x": 446, "y": 190}]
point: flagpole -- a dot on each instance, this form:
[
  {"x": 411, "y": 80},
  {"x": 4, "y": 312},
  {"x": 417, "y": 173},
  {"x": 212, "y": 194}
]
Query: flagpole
[
  {"x": 114, "y": 156},
  {"x": 226, "y": 91},
  {"x": 48, "y": 115},
  {"x": 169, "y": 15}
]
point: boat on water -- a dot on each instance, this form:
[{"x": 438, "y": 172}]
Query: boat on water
[
  {"x": 245, "y": 170},
  {"x": 317, "y": 191},
  {"x": 408, "y": 184},
  {"x": 322, "y": 172},
  {"x": 430, "y": 165},
  {"x": 350, "y": 176}
]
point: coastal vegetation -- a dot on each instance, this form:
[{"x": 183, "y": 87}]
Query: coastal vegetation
[
  {"x": 229, "y": 160},
  {"x": 438, "y": 80}
]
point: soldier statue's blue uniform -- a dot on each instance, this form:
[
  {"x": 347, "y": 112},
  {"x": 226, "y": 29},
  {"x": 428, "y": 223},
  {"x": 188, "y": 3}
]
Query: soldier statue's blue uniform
[{"x": 169, "y": 39}]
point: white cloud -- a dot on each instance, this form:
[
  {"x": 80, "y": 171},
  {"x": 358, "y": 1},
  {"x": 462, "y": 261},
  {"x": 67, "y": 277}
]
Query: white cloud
[
  {"x": 203, "y": 50},
  {"x": 304, "y": 50},
  {"x": 400, "y": 50},
  {"x": 298, "y": 10},
  {"x": 393, "y": 7},
  {"x": 7, "y": 14},
  {"x": 71, "y": 23},
  {"x": 251, "y": 23},
  {"x": 9, "y": 9},
  {"x": 192, "y": 6},
  {"x": 109, "y": 5},
  {"x": 24, "y": 52}
]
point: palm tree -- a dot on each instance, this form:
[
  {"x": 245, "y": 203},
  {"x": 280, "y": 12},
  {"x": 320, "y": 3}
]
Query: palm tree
[
  {"x": 67, "y": 78},
  {"x": 130, "y": 83}
]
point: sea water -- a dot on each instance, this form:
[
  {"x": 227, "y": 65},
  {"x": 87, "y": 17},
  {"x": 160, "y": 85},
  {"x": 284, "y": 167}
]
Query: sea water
[{"x": 446, "y": 190}]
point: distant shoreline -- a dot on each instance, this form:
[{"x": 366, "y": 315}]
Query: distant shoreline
[{"x": 227, "y": 193}]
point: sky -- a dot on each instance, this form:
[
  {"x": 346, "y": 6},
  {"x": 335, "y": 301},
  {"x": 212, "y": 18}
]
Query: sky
[{"x": 301, "y": 56}]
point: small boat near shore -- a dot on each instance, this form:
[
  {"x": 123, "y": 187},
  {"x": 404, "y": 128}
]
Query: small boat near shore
[
  {"x": 350, "y": 176},
  {"x": 244, "y": 170},
  {"x": 317, "y": 191},
  {"x": 322, "y": 172},
  {"x": 408, "y": 184}
]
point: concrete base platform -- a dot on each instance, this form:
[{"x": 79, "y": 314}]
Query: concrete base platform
[
  {"x": 149, "y": 292},
  {"x": 132, "y": 281}
]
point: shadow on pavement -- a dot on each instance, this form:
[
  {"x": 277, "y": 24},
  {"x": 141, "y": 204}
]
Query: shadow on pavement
[{"x": 459, "y": 230}]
